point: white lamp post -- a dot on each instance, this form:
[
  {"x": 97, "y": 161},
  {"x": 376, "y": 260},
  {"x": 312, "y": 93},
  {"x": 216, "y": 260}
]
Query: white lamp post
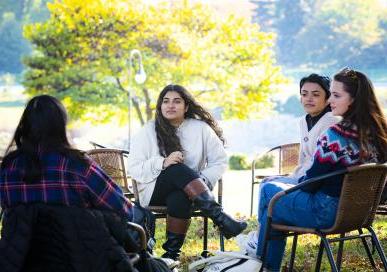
[{"x": 140, "y": 78}]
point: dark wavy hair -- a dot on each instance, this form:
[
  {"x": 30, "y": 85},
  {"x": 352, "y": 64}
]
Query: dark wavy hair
[
  {"x": 42, "y": 127},
  {"x": 167, "y": 139},
  {"x": 365, "y": 112},
  {"x": 323, "y": 81}
]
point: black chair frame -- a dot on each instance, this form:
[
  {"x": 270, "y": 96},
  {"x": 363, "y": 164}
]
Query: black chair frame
[{"x": 325, "y": 242}]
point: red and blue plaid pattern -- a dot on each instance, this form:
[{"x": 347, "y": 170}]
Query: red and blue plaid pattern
[{"x": 64, "y": 181}]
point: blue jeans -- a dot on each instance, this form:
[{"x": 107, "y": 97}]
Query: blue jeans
[
  {"x": 299, "y": 208},
  {"x": 282, "y": 179}
]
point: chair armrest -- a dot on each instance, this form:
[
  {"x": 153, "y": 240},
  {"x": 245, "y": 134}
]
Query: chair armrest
[
  {"x": 220, "y": 191},
  {"x": 141, "y": 232},
  {"x": 307, "y": 182},
  {"x": 124, "y": 151},
  {"x": 256, "y": 157},
  {"x": 96, "y": 145},
  {"x": 265, "y": 176}
]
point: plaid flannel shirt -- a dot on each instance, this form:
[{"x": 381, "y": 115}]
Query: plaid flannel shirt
[{"x": 64, "y": 181}]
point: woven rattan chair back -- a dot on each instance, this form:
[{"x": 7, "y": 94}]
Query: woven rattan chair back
[
  {"x": 112, "y": 162},
  {"x": 285, "y": 160},
  {"x": 288, "y": 158},
  {"x": 359, "y": 199}
]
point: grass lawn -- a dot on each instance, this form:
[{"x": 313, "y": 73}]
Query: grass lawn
[{"x": 354, "y": 259}]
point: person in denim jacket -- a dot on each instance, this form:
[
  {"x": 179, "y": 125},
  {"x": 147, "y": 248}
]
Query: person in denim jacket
[{"x": 361, "y": 137}]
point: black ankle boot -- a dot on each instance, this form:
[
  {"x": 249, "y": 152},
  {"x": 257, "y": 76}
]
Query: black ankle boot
[
  {"x": 172, "y": 245},
  {"x": 202, "y": 197},
  {"x": 227, "y": 225},
  {"x": 176, "y": 231}
]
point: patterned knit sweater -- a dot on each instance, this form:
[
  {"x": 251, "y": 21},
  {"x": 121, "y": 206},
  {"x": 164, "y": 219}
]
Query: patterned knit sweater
[{"x": 337, "y": 148}]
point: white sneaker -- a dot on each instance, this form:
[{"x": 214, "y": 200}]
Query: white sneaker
[
  {"x": 171, "y": 263},
  {"x": 252, "y": 244},
  {"x": 248, "y": 243}
]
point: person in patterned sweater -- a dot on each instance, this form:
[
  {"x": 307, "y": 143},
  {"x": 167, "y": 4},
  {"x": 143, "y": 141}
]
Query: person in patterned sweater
[{"x": 361, "y": 137}]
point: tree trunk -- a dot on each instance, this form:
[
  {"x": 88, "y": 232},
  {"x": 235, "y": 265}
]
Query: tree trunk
[
  {"x": 136, "y": 106},
  {"x": 135, "y": 103},
  {"x": 148, "y": 109}
]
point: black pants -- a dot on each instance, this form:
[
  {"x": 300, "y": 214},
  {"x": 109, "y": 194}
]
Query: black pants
[{"x": 169, "y": 190}]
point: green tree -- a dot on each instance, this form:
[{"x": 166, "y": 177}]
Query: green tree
[
  {"x": 343, "y": 33},
  {"x": 13, "y": 14},
  {"x": 12, "y": 46},
  {"x": 331, "y": 33},
  {"x": 17, "y": 7},
  {"x": 292, "y": 106},
  {"x": 81, "y": 56},
  {"x": 286, "y": 19},
  {"x": 264, "y": 14}
]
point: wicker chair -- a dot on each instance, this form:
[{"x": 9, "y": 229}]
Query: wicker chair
[
  {"x": 359, "y": 199},
  {"x": 161, "y": 212},
  {"x": 286, "y": 159},
  {"x": 112, "y": 162},
  {"x": 382, "y": 209}
]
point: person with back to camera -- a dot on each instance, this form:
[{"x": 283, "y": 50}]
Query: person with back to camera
[
  {"x": 361, "y": 137},
  {"x": 40, "y": 167},
  {"x": 176, "y": 160}
]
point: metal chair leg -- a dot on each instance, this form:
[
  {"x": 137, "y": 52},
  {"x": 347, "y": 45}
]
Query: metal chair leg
[
  {"x": 221, "y": 241},
  {"x": 252, "y": 198},
  {"x": 205, "y": 237},
  {"x": 378, "y": 247},
  {"x": 319, "y": 256},
  {"x": 367, "y": 249},
  {"x": 265, "y": 243},
  {"x": 329, "y": 254},
  {"x": 339, "y": 257},
  {"x": 293, "y": 253}
]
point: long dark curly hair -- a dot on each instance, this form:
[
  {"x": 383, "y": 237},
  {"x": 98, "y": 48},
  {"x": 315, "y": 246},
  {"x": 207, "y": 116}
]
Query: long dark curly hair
[
  {"x": 167, "y": 139},
  {"x": 365, "y": 112}
]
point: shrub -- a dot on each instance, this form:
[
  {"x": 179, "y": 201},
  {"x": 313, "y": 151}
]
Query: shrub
[
  {"x": 238, "y": 162},
  {"x": 266, "y": 161}
]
